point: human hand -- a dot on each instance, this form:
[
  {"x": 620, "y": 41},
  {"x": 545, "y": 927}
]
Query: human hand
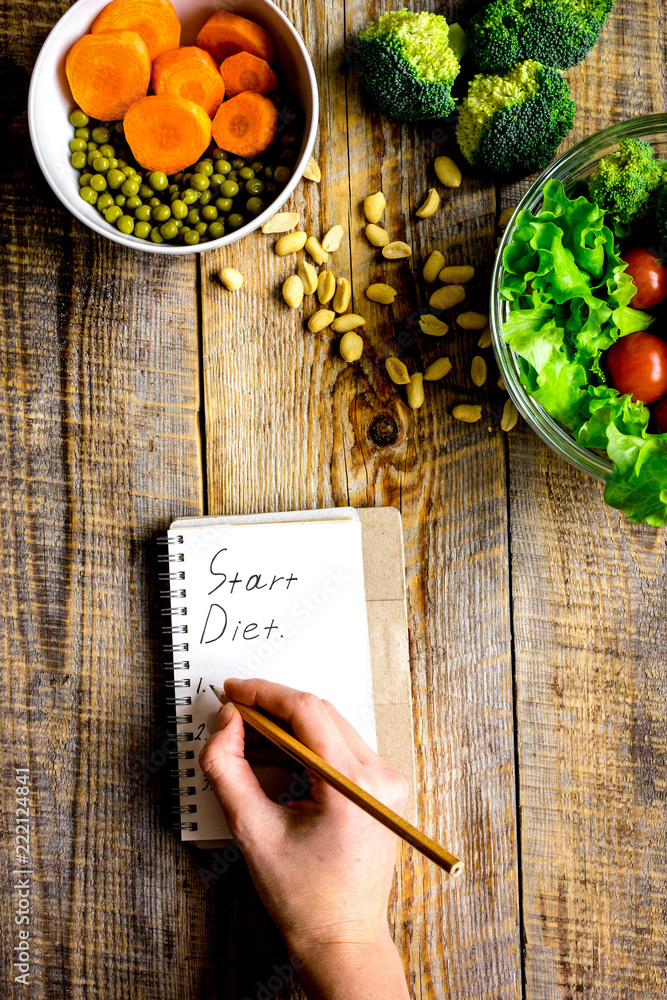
[{"x": 321, "y": 865}]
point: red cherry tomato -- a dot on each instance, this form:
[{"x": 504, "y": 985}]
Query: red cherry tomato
[
  {"x": 660, "y": 414},
  {"x": 649, "y": 277},
  {"x": 637, "y": 364}
]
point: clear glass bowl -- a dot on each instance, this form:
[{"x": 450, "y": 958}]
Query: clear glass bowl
[{"x": 574, "y": 164}]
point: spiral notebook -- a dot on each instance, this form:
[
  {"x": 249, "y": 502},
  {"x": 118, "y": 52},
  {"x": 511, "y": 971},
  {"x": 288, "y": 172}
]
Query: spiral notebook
[{"x": 312, "y": 599}]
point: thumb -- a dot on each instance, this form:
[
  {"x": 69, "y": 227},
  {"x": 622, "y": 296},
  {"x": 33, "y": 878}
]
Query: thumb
[{"x": 246, "y": 807}]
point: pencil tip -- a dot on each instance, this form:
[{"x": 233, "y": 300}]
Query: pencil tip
[{"x": 218, "y": 692}]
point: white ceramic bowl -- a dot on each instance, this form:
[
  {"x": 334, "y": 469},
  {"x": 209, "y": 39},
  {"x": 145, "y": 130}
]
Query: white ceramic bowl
[{"x": 50, "y": 104}]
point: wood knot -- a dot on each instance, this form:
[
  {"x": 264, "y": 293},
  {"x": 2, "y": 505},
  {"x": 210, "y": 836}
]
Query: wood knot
[{"x": 383, "y": 430}]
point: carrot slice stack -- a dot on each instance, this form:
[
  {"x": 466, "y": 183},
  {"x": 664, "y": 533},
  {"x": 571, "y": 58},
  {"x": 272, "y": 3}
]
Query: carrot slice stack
[
  {"x": 155, "y": 20},
  {"x": 108, "y": 73},
  {"x": 246, "y": 124},
  {"x": 244, "y": 71},
  {"x": 190, "y": 73},
  {"x": 167, "y": 133},
  {"x": 225, "y": 33}
]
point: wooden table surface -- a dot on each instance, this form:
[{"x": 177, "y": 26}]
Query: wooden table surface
[{"x": 135, "y": 390}]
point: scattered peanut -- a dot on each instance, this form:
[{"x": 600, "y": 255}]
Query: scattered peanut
[
  {"x": 326, "y": 286},
  {"x": 374, "y": 206},
  {"x": 316, "y": 250},
  {"x": 478, "y": 370},
  {"x": 382, "y": 293},
  {"x": 319, "y": 320},
  {"x": 350, "y": 321},
  {"x": 332, "y": 238},
  {"x": 472, "y": 320},
  {"x": 485, "y": 339},
  {"x": 457, "y": 274},
  {"x": 281, "y": 222},
  {"x": 397, "y": 371},
  {"x": 312, "y": 171},
  {"x": 438, "y": 369},
  {"x": 376, "y": 235},
  {"x": 351, "y": 346},
  {"x": 308, "y": 276},
  {"x": 447, "y": 297},
  {"x": 343, "y": 295},
  {"x": 396, "y": 250},
  {"x": 505, "y": 216},
  {"x": 501, "y": 383},
  {"x": 510, "y": 416},
  {"x": 468, "y": 412},
  {"x": 231, "y": 278},
  {"x": 415, "y": 390},
  {"x": 430, "y": 206},
  {"x": 433, "y": 326},
  {"x": 290, "y": 243},
  {"x": 293, "y": 291},
  {"x": 433, "y": 266},
  {"x": 447, "y": 172}
]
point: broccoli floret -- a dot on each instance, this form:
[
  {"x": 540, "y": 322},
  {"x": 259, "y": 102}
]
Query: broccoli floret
[
  {"x": 555, "y": 32},
  {"x": 623, "y": 182},
  {"x": 408, "y": 63},
  {"x": 512, "y": 123}
]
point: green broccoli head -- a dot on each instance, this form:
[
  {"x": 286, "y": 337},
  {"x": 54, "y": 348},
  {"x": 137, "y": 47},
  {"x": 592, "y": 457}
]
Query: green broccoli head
[
  {"x": 557, "y": 33},
  {"x": 623, "y": 182},
  {"x": 408, "y": 63},
  {"x": 511, "y": 124}
]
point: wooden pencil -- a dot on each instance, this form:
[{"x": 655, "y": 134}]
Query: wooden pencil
[{"x": 378, "y": 810}]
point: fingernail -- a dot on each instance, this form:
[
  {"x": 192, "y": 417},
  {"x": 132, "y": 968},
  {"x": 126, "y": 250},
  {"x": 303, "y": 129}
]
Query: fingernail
[{"x": 225, "y": 715}]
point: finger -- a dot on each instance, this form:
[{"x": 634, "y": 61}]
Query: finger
[
  {"x": 247, "y": 809},
  {"x": 309, "y": 719},
  {"x": 361, "y": 750}
]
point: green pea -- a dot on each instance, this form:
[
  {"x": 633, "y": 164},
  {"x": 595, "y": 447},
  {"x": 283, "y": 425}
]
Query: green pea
[
  {"x": 136, "y": 177},
  {"x": 91, "y": 156},
  {"x": 223, "y": 205},
  {"x": 282, "y": 174},
  {"x": 201, "y": 228},
  {"x": 179, "y": 209},
  {"x": 156, "y": 236},
  {"x": 238, "y": 163},
  {"x": 88, "y": 194},
  {"x": 100, "y": 134},
  {"x": 205, "y": 197},
  {"x": 257, "y": 166},
  {"x": 120, "y": 200},
  {"x": 199, "y": 182},
  {"x": 107, "y": 150},
  {"x": 126, "y": 224},
  {"x": 173, "y": 189},
  {"x": 154, "y": 202},
  {"x": 254, "y": 206},
  {"x": 254, "y": 186},
  {"x": 158, "y": 181},
  {"x": 120, "y": 128},
  {"x": 128, "y": 171},
  {"x": 216, "y": 230},
  {"x": 204, "y": 167},
  {"x": 245, "y": 173},
  {"x": 268, "y": 172},
  {"x": 218, "y": 154},
  {"x": 168, "y": 230},
  {"x": 217, "y": 179},
  {"x": 233, "y": 175},
  {"x": 271, "y": 188},
  {"x": 92, "y": 146},
  {"x": 84, "y": 179},
  {"x": 223, "y": 166},
  {"x": 78, "y": 118},
  {"x": 130, "y": 188},
  {"x": 142, "y": 230},
  {"x": 179, "y": 224},
  {"x": 104, "y": 201},
  {"x": 235, "y": 220},
  {"x": 145, "y": 192},
  {"x": 161, "y": 213},
  {"x": 191, "y": 237},
  {"x": 121, "y": 163},
  {"x": 190, "y": 196},
  {"x": 209, "y": 213},
  {"x": 177, "y": 178},
  {"x": 133, "y": 202},
  {"x": 143, "y": 213},
  {"x": 186, "y": 178},
  {"x": 82, "y": 133},
  {"x": 229, "y": 189},
  {"x": 78, "y": 160},
  {"x": 113, "y": 213},
  {"x": 193, "y": 216},
  {"x": 100, "y": 165},
  {"x": 78, "y": 146},
  {"x": 113, "y": 163},
  {"x": 98, "y": 182}
]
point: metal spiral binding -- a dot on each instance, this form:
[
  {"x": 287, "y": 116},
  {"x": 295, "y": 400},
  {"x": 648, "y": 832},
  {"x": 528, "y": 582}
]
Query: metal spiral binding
[{"x": 177, "y": 667}]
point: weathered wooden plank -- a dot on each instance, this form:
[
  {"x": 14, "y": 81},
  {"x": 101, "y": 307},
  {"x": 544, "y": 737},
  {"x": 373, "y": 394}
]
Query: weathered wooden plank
[{"x": 99, "y": 427}]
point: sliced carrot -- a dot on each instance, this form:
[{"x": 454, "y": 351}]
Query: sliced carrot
[
  {"x": 191, "y": 73},
  {"x": 246, "y": 124},
  {"x": 244, "y": 71},
  {"x": 167, "y": 133},
  {"x": 225, "y": 33},
  {"x": 108, "y": 73},
  {"x": 155, "y": 20}
]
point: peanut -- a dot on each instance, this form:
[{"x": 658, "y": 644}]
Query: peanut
[
  {"x": 433, "y": 266},
  {"x": 438, "y": 369},
  {"x": 457, "y": 274},
  {"x": 376, "y": 235},
  {"x": 316, "y": 250},
  {"x": 351, "y": 346},
  {"x": 501, "y": 383},
  {"x": 447, "y": 172},
  {"x": 374, "y": 206},
  {"x": 472, "y": 320},
  {"x": 350, "y": 321},
  {"x": 433, "y": 326},
  {"x": 478, "y": 370},
  {"x": 505, "y": 217},
  {"x": 396, "y": 250},
  {"x": 312, "y": 171},
  {"x": 341, "y": 299},
  {"x": 447, "y": 297},
  {"x": 231, "y": 278},
  {"x": 382, "y": 293},
  {"x": 430, "y": 205},
  {"x": 290, "y": 243},
  {"x": 510, "y": 416},
  {"x": 397, "y": 371},
  {"x": 326, "y": 286},
  {"x": 415, "y": 390},
  {"x": 332, "y": 238},
  {"x": 485, "y": 339},
  {"x": 293, "y": 291},
  {"x": 308, "y": 276},
  {"x": 468, "y": 412},
  {"x": 281, "y": 222},
  {"x": 319, "y": 320}
]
